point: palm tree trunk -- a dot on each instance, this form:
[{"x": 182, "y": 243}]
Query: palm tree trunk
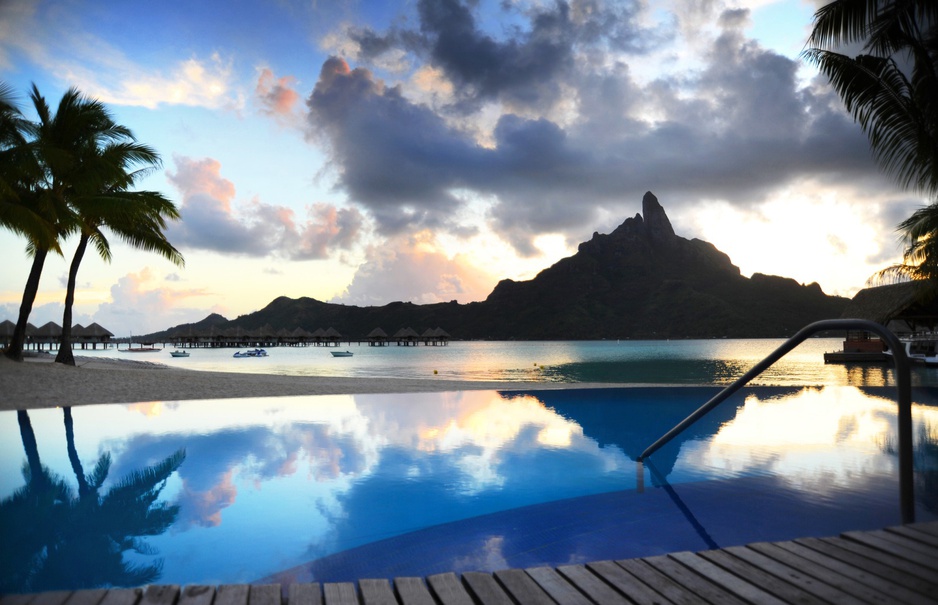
[
  {"x": 65, "y": 354},
  {"x": 36, "y": 476},
  {"x": 73, "y": 458},
  {"x": 15, "y": 350}
]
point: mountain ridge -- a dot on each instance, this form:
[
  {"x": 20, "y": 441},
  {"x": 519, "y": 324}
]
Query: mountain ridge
[{"x": 642, "y": 280}]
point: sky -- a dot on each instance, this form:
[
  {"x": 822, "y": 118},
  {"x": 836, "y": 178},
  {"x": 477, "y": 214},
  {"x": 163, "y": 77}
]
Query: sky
[{"x": 365, "y": 152}]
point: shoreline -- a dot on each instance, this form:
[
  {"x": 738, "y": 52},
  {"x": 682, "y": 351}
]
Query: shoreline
[{"x": 38, "y": 382}]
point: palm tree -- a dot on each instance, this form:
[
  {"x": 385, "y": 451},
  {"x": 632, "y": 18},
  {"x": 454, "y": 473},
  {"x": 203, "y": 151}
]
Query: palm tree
[
  {"x": 37, "y": 182},
  {"x": 137, "y": 217},
  {"x": 54, "y": 540},
  {"x": 892, "y": 91}
]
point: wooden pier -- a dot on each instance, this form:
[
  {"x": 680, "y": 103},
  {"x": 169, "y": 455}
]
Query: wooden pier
[{"x": 894, "y": 565}]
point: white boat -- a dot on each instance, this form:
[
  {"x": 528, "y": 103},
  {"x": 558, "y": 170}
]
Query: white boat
[
  {"x": 922, "y": 348},
  {"x": 341, "y": 353},
  {"x": 179, "y": 353},
  {"x": 252, "y": 353}
]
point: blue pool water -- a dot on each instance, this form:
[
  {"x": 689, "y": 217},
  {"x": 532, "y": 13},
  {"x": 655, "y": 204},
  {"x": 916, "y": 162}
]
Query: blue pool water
[{"x": 333, "y": 488}]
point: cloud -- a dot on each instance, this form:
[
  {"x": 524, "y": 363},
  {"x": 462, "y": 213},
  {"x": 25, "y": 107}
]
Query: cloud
[
  {"x": 411, "y": 269},
  {"x": 580, "y": 138},
  {"x": 138, "y": 307},
  {"x": 57, "y": 40},
  {"x": 210, "y": 222},
  {"x": 276, "y": 95}
]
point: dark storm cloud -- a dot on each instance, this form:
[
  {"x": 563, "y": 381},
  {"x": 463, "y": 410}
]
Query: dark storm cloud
[
  {"x": 736, "y": 129},
  {"x": 397, "y": 158},
  {"x": 522, "y": 69}
]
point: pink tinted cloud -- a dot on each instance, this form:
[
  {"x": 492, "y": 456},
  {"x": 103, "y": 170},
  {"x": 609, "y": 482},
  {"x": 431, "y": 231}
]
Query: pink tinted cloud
[
  {"x": 276, "y": 95},
  {"x": 203, "y": 508},
  {"x": 405, "y": 271},
  {"x": 139, "y": 306},
  {"x": 210, "y": 221}
]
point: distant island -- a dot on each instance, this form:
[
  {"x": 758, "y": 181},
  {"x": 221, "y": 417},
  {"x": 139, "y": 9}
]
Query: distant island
[{"x": 642, "y": 281}]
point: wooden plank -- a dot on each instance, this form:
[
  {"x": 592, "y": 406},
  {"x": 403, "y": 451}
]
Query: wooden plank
[
  {"x": 557, "y": 586},
  {"x": 875, "y": 540},
  {"x": 376, "y": 592},
  {"x": 731, "y": 582},
  {"x": 854, "y": 580},
  {"x": 909, "y": 531},
  {"x": 661, "y": 583},
  {"x": 843, "y": 583},
  {"x": 196, "y": 595},
  {"x": 122, "y": 596},
  {"x": 17, "y": 599},
  {"x": 922, "y": 549},
  {"x": 340, "y": 593},
  {"x": 868, "y": 565},
  {"x": 305, "y": 593},
  {"x": 696, "y": 584},
  {"x": 232, "y": 594},
  {"x": 413, "y": 591},
  {"x": 883, "y": 557},
  {"x": 160, "y": 594},
  {"x": 448, "y": 589},
  {"x": 928, "y": 528},
  {"x": 591, "y": 585},
  {"x": 91, "y": 596},
  {"x": 522, "y": 587},
  {"x": 793, "y": 576},
  {"x": 52, "y": 597},
  {"x": 485, "y": 589},
  {"x": 626, "y": 583},
  {"x": 265, "y": 594},
  {"x": 781, "y": 589}
]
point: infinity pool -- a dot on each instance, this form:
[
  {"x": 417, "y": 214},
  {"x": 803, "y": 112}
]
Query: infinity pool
[{"x": 333, "y": 488}]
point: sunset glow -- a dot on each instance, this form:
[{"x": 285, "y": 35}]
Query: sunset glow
[{"x": 371, "y": 152}]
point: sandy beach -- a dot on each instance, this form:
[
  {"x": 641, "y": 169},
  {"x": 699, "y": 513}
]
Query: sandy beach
[{"x": 40, "y": 383}]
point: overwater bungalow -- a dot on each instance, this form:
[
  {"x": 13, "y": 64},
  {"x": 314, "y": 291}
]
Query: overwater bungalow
[{"x": 909, "y": 310}]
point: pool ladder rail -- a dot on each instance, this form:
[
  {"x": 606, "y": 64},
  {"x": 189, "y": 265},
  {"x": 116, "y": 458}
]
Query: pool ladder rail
[{"x": 903, "y": 389}]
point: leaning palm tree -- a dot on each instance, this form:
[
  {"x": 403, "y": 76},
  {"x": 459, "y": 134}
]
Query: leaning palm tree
[
  {"x": 136, "y": 217},
  {"x": 891, "y": 89},
  {"x": 38, "y": 183}
]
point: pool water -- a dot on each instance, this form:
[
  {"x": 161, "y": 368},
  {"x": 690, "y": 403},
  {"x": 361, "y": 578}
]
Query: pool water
[{"x": 334, "y": 488}]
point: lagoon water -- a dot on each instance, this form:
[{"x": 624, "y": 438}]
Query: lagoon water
[
  {"x": 718, "y": 361},
  {"x": 340, "y": 487}
]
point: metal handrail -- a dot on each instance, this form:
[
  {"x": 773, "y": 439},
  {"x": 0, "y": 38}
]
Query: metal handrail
[{"x": 903, "y": 389}]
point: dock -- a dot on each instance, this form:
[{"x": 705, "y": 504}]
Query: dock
[{"x": 893, "y": 565}]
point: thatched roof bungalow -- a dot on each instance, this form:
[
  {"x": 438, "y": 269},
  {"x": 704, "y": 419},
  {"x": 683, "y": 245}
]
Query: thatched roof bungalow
[
  {"x": 377, "y": 338},
  {"x": 903, "y": 308}
]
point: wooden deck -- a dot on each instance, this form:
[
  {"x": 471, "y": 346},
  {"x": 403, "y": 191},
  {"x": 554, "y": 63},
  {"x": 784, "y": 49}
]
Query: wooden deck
[{"x": 894, "y": 565}]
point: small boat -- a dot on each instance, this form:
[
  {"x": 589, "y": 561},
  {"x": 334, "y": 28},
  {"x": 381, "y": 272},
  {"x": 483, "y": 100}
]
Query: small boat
[
  {"x": 141, "y": 350},
  {"x": 251, "y": 353},
  {"x": 341, "y": 353},
  {"x": 179, "y": 353}
]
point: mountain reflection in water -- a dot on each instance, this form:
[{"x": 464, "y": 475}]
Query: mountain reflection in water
[{"x": 228, "y": 491}]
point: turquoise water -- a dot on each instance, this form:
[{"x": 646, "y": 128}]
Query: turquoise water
[
  {"x": 697, "y": 362},
  {"x": 334, "y": 488}
]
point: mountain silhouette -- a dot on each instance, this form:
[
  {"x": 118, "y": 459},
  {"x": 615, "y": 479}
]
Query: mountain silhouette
[{"x": 640, "y": 281}]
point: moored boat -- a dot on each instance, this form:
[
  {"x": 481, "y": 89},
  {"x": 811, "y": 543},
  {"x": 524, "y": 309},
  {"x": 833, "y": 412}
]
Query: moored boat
[
  {"x": 921, "y": 348},
  {"x": 251, "y": 353},
  {"x": 341, "y": 353},
  {"x": 179, "y": 353}
]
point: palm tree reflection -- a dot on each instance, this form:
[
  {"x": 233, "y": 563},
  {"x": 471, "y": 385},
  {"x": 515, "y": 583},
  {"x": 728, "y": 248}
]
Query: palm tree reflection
[{"x": 55, "y": 540}]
